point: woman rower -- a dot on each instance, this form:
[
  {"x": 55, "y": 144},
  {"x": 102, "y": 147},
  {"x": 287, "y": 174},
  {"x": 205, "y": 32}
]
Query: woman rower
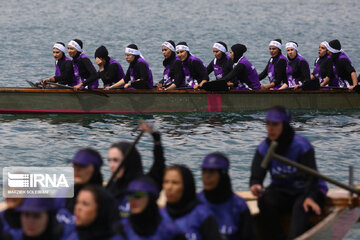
[
  {"x": 222, "y": 64},
  {"x": 138, "y": 71},
  {"x": 230, "y": 210},
  {"x": 183, "y": 207},
  {"x": 64, "y": 72},
  {"x": 132, "y": 168},
  {"x": 244, "y": 75},
  {"x": 84, "y": 71},
  {"x": 298, "y": 70},
  {"x": 173, "y": 76},
  {"x": 38, "y": 222},
  {"x": 275, "y": 68},
  {"x": 145, "y": 221},
  {"x": 321, "y": 65},
  {"x": 110, "y": 71},
  {"x": 193, "y": 68},
  {"x": 87, "y": 164},
  {"x": 343, "y": 73},
  {"x": 290, "y": 190},
  {"x": 96, "y": 215}
]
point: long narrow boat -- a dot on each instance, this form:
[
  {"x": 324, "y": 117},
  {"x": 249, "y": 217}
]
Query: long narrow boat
[{"x": 33, "y": 100}]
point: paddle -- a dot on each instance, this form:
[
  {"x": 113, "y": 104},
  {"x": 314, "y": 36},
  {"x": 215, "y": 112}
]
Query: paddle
[
  {"x": 86, "y": 90},
  {"x": 34, "y": 85},
  {"x": 356, "y": 88},
  {"x": 126, "y": 156}
]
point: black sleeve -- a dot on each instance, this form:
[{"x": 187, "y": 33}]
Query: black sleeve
[
  {"x": 305, "y": 71},
  {"x": 143, "y": 71},
  {"x": 231, "y": 77},
  {"x": 200, "y": 71},
  {"x": 246, "y": 226},
  {"x": 257, "y": 172},
  {"x": 345, "y": 64},
  {"x": 110, "y": 75},
  {"x": 280, "y": 72},
  {"x": 90, "y": 69},
  {"x": 210, "y": 67},
  {"x": 127, "y": 76},
  {"x": 179, "y": 237},
  {"x": 67, "y": 73},
  {"x": 179, "y": 75},
  {"x": 157, "y": 169},
  {"x": 209, "y": 229},
  {"x": 264, "y": 73}
]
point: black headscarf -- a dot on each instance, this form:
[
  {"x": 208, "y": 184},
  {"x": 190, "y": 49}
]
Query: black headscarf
[
  {"x": 54, "y": 229},
  {"x": 169, "y": 60},
  {"x": 133, "y": 46},
  {"x": 146, "y": 222},
  {"x": 96, "y": 179},
  {"x": 107, "y": 216},
  {"x": 81, "y": 45},
  {"x": 286, "y": 136},
  {"x": 239, "y": 50},
  {"x": 133, "y": 169},
  {"x": 335, "y": 44},
  {"x": 223, "y": 190},
  {"x": 278, "y": 40},
  {"x": 184, "y": 43},
  {"x": 188, "y": 200}
]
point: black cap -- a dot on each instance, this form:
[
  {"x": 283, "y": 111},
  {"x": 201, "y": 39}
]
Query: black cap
[
  {"x": 335, "y": 44},
  {"x": 101, "y": 52}
]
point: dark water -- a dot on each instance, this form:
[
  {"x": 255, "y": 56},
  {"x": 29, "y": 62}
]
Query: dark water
[{"x": 29, "y": 29}]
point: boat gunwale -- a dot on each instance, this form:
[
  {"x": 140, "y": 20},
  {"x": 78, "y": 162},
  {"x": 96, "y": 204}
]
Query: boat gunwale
[{"x": 155, "y": 91}]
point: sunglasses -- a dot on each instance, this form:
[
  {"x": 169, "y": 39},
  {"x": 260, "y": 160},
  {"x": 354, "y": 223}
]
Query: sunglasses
[{"x": 137, "y": 195}]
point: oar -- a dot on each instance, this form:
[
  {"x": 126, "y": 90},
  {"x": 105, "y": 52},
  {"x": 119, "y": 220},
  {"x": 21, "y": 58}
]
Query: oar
[
  {"x": 180, "y": 88},
  {"x": 271, "y": 154},
  {"x": 126, "y": 156},
  {"x": 100, "y": 93},
  {"x": 34, "y": 85},
  {"x": 356, "y": 88}
]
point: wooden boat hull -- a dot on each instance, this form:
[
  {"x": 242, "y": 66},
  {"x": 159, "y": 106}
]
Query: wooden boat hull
[
  {"x": 334, "y": 223},
  {"x": 31, "y": 100}
]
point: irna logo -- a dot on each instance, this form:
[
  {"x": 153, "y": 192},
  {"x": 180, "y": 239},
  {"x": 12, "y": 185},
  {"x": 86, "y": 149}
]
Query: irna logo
[
  {"x": 41, "y": 182},
  {"x": 25, "y": 180}
]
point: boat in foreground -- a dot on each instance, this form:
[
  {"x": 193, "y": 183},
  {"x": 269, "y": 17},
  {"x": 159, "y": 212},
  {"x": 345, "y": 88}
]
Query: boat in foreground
[
  {"x": 34, "y": 100},
  {"x": 339, "y": 215}
]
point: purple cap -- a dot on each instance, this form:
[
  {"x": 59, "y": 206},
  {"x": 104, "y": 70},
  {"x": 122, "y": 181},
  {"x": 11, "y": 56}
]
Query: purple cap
[
  {"x": 274, "y": 115},
  {"x": 36, "y": 205},
  {"x": 86, "y": 158},
  {"x": 143, "y": 185},
  {"x": 216, "y": 161}
]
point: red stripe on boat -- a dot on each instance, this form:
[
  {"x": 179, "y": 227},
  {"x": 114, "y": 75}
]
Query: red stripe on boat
[{"x": 214, "y": 102}]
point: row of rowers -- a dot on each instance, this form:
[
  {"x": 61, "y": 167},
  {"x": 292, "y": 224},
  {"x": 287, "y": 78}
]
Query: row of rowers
[
  {"x": 183, "y": 70},
  {"x": 128, "y": 203}
]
